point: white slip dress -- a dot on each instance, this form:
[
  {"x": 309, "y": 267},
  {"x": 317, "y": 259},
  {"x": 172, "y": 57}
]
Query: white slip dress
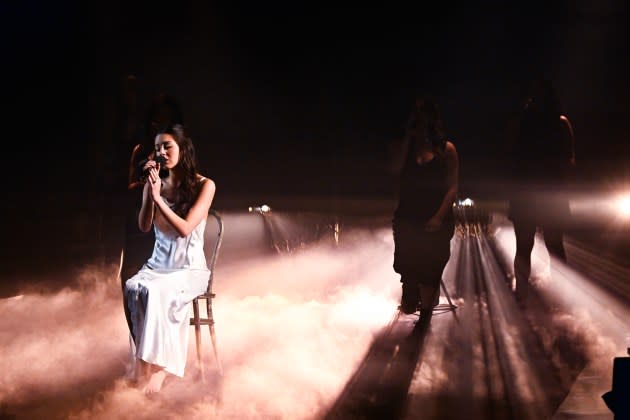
[{"x": 159, "y": 298}]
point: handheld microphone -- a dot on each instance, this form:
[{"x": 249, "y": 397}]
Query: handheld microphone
[{"x": 159, "y": 159}]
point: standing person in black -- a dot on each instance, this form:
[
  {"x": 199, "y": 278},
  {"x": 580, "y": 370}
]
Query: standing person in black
[
  {"x": 542, "y": 156},
  {"x": 423, "y": 222}
]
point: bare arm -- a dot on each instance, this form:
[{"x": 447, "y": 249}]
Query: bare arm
[
  {"x": 183, "y": 225},
  {"x": 452, "y": 180},
  {"x": 398, "y": 154},
  {"x": 147, "y": 209},
  {"x": 197, "y": 212}
]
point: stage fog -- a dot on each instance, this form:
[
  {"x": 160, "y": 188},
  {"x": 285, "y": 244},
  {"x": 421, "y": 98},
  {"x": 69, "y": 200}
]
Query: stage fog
[{"x": 302, "y": 306}]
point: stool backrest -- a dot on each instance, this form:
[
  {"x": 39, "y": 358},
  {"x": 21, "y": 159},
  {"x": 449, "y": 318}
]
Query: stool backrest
[{"x": 212, "y": 243}]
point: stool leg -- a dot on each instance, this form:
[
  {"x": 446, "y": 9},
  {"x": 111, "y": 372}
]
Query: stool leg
[
  {"x": 198, "y": 337},
  {"x": 213, "y": 336},
  {"x": 448, "y": 297}
]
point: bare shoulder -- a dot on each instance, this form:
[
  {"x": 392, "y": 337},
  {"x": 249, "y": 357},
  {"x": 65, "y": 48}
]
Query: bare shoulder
[
  {"x": 450, "y": 148},
  {"x": 565, "y": 121},
  {"x": 205, "y": 181}
]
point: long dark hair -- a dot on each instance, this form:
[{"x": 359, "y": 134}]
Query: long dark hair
[
  {"x": 427, "y": 111},
  {"x": 186, "y": 192},
  {"x": 434, "y": 123}
]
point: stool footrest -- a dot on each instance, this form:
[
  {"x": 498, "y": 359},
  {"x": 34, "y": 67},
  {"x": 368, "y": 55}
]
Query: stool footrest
[{"x": 202, "y": 321}]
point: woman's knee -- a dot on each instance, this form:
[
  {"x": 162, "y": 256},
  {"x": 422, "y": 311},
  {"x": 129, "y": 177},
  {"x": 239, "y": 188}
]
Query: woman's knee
[
  {"x": 135, "y": 286},
  {"x": 131, "y": 285}
]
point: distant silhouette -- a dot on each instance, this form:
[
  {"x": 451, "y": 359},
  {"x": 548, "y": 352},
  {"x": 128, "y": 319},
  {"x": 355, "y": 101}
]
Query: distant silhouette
[
  {"x": 423, "y": 222},
  {"x": 541, "y": 156},
  {"x": 617, "y": 398}
]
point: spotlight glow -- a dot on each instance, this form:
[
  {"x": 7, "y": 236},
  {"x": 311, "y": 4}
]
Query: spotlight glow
[
  {"x": 622, "y": 205},
  {"x": 466, "y": 202},
  {"x": 259, "y": 209}
]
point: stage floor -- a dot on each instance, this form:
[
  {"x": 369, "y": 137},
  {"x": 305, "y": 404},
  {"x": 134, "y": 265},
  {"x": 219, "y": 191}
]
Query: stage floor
[{"x": 308, "y": 328}]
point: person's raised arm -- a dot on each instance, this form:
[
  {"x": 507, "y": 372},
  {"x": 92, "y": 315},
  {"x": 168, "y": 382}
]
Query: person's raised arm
[
  {"x": 400, "y": 150},
  {"x": 147, "y": 209}
]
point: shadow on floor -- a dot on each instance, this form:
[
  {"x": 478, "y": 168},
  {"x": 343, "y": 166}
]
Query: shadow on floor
[{"x": 379, "y": 387}]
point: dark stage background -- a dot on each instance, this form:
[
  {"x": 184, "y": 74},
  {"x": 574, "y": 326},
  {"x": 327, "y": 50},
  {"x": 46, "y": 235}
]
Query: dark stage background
[{"x": 288, "y": 100}]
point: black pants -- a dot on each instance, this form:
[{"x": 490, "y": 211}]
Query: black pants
[
  {"x": 527, "y": 213},
  {"x": 420, "y": 256}
]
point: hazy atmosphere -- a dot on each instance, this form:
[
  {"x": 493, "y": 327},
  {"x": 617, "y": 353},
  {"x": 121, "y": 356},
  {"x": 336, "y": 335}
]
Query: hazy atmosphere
[{"x": 303, "y": 108}]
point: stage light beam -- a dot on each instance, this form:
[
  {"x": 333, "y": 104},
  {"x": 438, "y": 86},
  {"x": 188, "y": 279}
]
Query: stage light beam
[{"x": 622, "y": 204}]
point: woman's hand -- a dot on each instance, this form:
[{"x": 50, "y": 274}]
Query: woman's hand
[
  {"x": 150, "y": 163},
  {"x": 154, "y": 180},
  {"x": 434, "y": 224}
]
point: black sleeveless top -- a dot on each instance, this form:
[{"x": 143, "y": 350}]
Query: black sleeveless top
[
  {"x": 540, "y": 152},
  {"x": 422, "y": 189}
]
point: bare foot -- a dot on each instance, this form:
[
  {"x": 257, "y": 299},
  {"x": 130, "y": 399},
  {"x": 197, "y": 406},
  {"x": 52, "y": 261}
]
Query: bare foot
[{"x": 155, "y": 382}]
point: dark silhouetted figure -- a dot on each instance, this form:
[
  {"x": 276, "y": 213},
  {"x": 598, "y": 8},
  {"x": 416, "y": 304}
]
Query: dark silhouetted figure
[
  {"x": 542, "y": 155},
  {"x": 423, "y": 222},
  {"x": 618, "y": 398}
]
